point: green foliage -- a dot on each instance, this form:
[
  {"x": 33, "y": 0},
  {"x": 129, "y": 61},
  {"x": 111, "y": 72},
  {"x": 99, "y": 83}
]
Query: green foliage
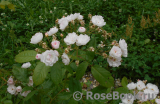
[
  {"x": 81, "y": 70},
  {"x": 40, "y": 73},
  {"x": 26, "y": 56}
]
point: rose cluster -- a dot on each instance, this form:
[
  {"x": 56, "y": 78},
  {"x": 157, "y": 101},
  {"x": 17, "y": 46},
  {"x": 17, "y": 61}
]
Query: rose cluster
[
  {"x": 116, "y": 52},
  {"x": 12, "y": 89},
  {"x": 144, "y": 92}
]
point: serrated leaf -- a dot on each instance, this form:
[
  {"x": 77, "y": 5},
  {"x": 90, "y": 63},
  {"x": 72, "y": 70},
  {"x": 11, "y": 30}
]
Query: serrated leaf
[
  {"x": 69, "y": 69},
  {"x": 102, "y": 76},
  {"x": 26, "y": 56},
  {"x": 81, "y": 70},
  {"x": 124, "y": 82},
  {"x": 57, "y": 73},
  {"x": 40, "y": 73},
  {"x": 20, "y": 73}
]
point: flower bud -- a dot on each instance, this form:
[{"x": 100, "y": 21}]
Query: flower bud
[
  {"x": 44, "y": 45},
  {"x": 66, "y": 50},
  {"x": 38, "y": 56},
  {"x": 89, "y": 16},
  {"x": 104, "y": 55},
  {"x": 56, "y": 21},
  {"x": 46, "y": 34},
  {"x": 91, "y": 49},
  {"x": 77, "y": 62},
  {"x": 61, "y": 35},
  {"x": 37, "y": 50},
  {"x": 73, "y": 22}
]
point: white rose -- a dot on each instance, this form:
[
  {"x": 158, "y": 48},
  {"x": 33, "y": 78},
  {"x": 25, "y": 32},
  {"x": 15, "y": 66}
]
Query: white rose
[
  {"x": 36, "y": 38},
  {"x": 98, "y": 20},
  {"x": 49, "y": 57},
  {"x": 56, "y": 52},
  {"x": 52, "y": 31},
  {"x": 128, "y": 101},
  {"x": 153, "y": 87},
  {"x": 26, "y": 65},
  {"x": 80, "y": 17},
  {"x": 142, "y": 97},
  {"x": 140, "y": 85},
  {"x": 11, "y": 89},
  {"x": 115, "y": 52},
  {"x": 63, "y": 23},
  {"x": 81, "y": 29},
  {"x": 157, "y": 101},
  {"x": 30, "y": 81},
  {"x": 114, "y": 62},
  {"x": 65, "y": 59},
  {"x": 82, "y": 40},
  {"x": 151, "y": 94},
  {"x": 131, "y": 86},
  {"x": 25, "y": 93},
  {"x": 19, "y": 89},
  {"x": 123, "y": 46},
  {"x": 70, "y": 38}
]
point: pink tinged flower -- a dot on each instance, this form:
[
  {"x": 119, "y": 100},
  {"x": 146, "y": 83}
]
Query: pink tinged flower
[
  {"x": 10, "y": 81},
  {"x": 115, "y": 52},
  {"x": 157, "y": 101},
  {"x": 38, "y": 56},
  {"x": 19, "y": 89},
  {"x": 114, "y": 62},
  {"x": 81, "y": 29},
  {"x": 55, "y": 44},
  {"x": 56, "y": 52}
]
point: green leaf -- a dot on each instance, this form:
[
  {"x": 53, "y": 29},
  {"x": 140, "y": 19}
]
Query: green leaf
[
  {"x": 93, "y": 42},
  {"x": 81, "y": 70},
  {"x": 64, "y": 96},
  {"x": 30, "y": 95},
  {"x": 57, "y": 73},
  {"x": 122, "y": 90},
  {"x": 8, "y": 102},
  {"x": 74, "y": 85},
  {"x": 26, "y": 56},
  {"x": 27, "y": 88},
  {"x": 11, "y": 6},
  {"x": 102, "y": 76},
  {"x": 20, "y": 73},
  {"x": 90, "y": 55},
  {"x": 147, "y": 77},
  {"x": 124, "y": 82},
  {"x": 147, "y": 41},
  {"x": 67, "y": 67},
  {"x": 72, "y": 101},
  {"x": 40, "y": 73}
]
